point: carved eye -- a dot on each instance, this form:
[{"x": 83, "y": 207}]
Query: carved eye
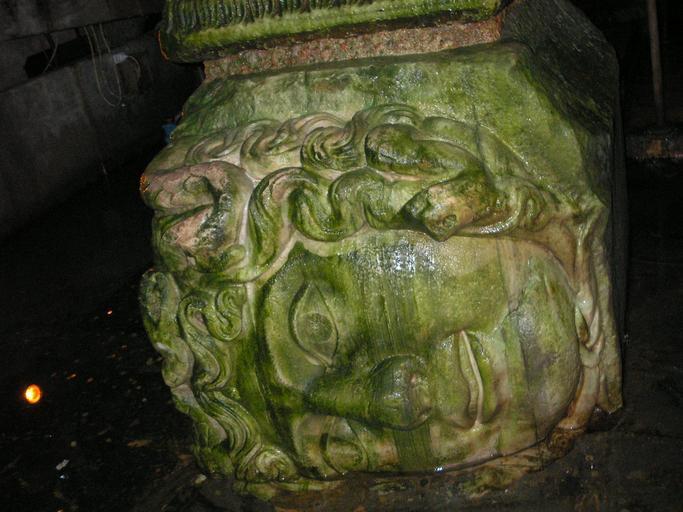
[{"x": 313, "y": 326}]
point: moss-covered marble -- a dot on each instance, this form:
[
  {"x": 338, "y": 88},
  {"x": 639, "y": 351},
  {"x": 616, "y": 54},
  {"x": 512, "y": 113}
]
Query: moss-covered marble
[
  {"x": 193, "y": 30},
  {"x": 391, "y": 265}
]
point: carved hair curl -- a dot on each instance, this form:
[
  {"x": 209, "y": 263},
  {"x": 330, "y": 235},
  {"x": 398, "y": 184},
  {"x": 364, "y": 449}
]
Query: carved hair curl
[{"x": 233, "y": 201}]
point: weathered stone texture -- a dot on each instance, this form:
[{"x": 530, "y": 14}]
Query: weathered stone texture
[
  {"x": 394, "y": 264},
  {"x": 196, "y": 31}
]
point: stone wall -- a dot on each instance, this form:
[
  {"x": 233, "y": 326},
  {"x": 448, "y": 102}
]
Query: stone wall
[
  {"x": 57, "y": 129},
  {"x": 20, "y": 18}
]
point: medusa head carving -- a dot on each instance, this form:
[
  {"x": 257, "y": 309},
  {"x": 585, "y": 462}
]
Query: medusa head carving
[{"x": 384, "y": 292}]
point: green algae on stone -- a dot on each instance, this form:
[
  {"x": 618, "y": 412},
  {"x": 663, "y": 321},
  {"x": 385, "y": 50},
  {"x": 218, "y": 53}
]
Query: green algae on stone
[
  {"x": 389, "y": 265},
  {"x": 194, "y": 31}
]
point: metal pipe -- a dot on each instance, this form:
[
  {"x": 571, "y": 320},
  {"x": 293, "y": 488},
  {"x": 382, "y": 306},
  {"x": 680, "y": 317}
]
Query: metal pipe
[{"x": 656, "y": 58}]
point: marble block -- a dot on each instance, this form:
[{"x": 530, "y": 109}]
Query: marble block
[{"x": 389, "y": 265}]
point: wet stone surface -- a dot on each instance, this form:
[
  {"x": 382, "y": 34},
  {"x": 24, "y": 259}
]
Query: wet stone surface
[{"x": 105, "y": 436}]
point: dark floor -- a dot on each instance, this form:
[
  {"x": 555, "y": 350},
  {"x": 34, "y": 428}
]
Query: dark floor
[{"x": 105, "y": 437}]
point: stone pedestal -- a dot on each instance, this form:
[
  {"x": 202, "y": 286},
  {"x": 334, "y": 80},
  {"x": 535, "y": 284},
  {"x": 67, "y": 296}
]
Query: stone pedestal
[{"x": 386, "y": 249}]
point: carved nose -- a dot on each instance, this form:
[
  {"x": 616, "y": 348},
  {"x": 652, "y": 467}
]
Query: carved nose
[
  {"x": 400, "y": 393},
  {"x": 395, "y": 393}
]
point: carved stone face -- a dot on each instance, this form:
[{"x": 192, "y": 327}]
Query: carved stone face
[
  {"x": 402, "y": 353},
  {"x": 388, "y": 266}
]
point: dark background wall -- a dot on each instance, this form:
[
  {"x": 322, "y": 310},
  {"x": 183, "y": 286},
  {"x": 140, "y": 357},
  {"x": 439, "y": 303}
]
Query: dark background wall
[
  {"x": 83, "y": 89},
  {"x": 625, "y": 24},
  {"x": 21, "y": 18}
]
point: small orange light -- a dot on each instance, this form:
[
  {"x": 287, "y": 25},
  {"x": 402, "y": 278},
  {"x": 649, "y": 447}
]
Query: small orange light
[
  {"x": 109, "y": 312},
  {"x": 33, "y": 394}
]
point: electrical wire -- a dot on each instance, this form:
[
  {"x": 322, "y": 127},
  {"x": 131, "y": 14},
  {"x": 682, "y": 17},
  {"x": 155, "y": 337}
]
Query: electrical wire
[
  {"x": 96, "y": 67},
  {"x": 111, "y": 58},
  {"x": 55, "y": 45},
  {"x": 101, "y": 53},
  {"x": 98, "y": 49},
  {"x": 139, "y": 66}
]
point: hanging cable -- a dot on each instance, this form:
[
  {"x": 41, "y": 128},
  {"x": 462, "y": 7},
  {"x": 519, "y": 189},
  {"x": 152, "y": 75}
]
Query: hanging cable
[
  {"x": 111, "y": 59},
  {"x": 96, "y": 68},
  {"x": 55, "y": 45},
  {"x": 98, "y": 50},
  {"x": 105, "y": 78},
  {"x": 138, "y": 65}
]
